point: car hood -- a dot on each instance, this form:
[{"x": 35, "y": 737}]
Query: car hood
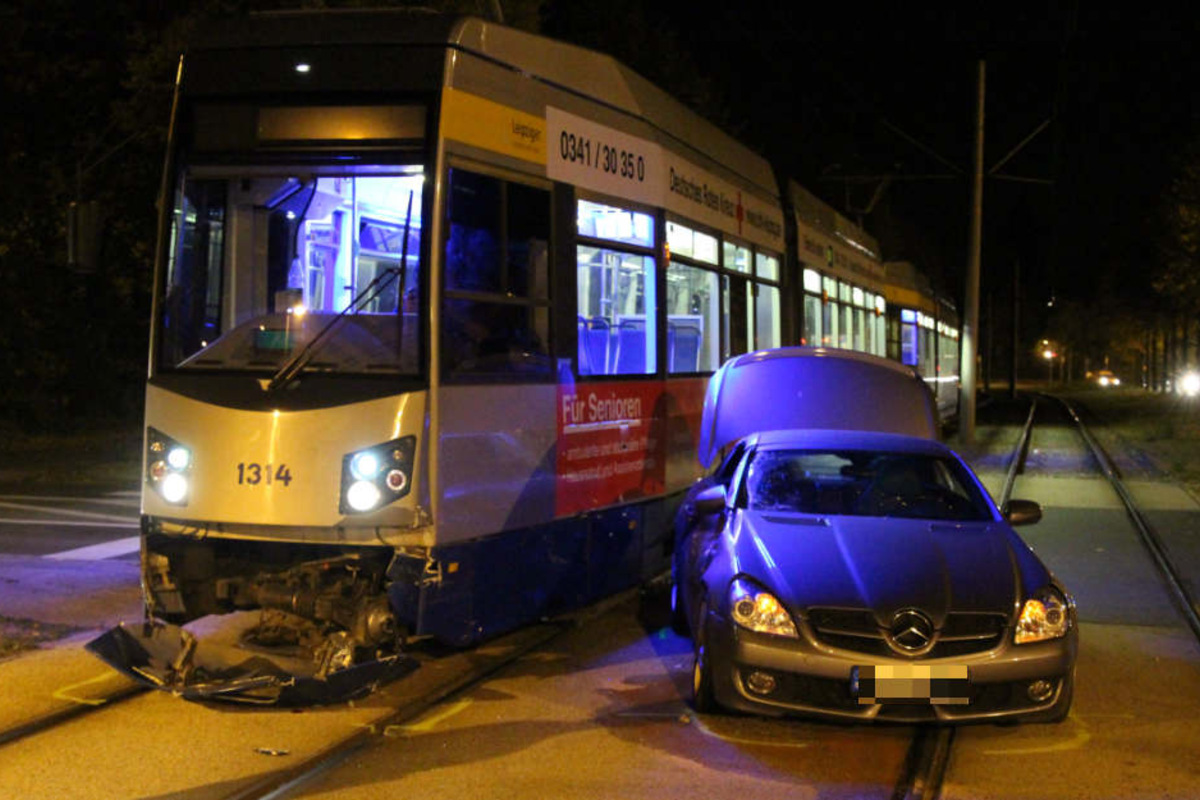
[{"x": 887, "y": 564}]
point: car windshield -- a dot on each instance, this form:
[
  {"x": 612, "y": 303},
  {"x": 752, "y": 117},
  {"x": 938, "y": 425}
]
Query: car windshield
[
  {"x": 262, "y": 262},
  {"x": 863, "y": 483}
]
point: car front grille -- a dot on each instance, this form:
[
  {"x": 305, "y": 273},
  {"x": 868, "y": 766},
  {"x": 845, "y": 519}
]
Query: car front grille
[{"x": 857, "y": 630}]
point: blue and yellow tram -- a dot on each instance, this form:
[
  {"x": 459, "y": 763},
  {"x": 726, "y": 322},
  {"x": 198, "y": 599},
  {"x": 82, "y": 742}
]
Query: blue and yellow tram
[
  {"x": 435, "y": 306},
  {"x": 923, "y": 332}
]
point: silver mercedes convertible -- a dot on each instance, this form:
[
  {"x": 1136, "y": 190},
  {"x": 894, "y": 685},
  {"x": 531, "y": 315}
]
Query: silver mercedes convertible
[{"x": 840, "y": 562}]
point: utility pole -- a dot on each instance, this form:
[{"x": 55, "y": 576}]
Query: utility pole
[
  {"x": 1016, "y": 316},
  {"x": 971, "y": 301}
]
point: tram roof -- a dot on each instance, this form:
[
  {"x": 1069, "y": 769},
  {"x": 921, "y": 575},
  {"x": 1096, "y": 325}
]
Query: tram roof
[
  {"x": 824, "y": 217},
  {"x": 590, "y": 74}
]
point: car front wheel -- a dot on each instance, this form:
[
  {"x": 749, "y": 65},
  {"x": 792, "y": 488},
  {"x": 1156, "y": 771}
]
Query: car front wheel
[{"x": 703, "y": 699}]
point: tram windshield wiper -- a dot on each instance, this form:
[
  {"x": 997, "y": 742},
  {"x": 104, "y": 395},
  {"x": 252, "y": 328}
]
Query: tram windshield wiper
[{"x": 294, "y": 365}]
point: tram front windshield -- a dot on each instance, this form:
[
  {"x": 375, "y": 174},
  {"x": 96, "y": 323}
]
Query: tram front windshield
[{"x": 262, "y": 264}]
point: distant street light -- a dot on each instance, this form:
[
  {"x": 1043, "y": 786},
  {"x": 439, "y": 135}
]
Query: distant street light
[
  {"x": 1190, "y": 384},
  {"x": 1049, "y": 355}
]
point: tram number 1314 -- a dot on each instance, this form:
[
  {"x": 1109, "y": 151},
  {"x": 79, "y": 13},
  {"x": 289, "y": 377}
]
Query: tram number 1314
[
  {"x": 254, "y": 474},
  {"x": 581, "y": 150}
]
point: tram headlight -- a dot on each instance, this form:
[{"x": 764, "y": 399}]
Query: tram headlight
[
  {"x": 376, "y": 476},
  {"x": 365, "y": 465},
  {"x": 362, "y": 496},
  {"x": 168, "y": 467},
  {"x": 178, "y": 458},
  {"x": 1044, "y": 616},
  {"x": 174, "y": 488}
]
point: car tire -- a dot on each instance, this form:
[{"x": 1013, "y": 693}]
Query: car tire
[
  {"x": 704, "y": 701},
  {"x": 679, "y": 622}
]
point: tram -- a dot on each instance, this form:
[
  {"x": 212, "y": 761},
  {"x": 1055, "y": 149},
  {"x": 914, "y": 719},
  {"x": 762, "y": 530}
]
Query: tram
[
  {"x": 435, "y": 306},
  {"x": 923, "y": 332}
]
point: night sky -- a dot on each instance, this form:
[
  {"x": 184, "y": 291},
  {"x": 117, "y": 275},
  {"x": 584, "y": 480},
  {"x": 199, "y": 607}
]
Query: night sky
[
  {"x": 827, "y": 91},
  {"x": 834, "y": 89}
]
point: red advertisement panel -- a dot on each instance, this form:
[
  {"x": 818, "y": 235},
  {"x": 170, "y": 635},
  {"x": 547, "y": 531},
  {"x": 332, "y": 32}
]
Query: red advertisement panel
[{"x": 610, "y": 444}]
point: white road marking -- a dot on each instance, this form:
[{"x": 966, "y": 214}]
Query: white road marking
[
  {"x": 68, "y": 511},
  {"x": 99, "y": 552},
  {"x": 66, "y": 523},
  {"x": 126, "y": 499}
]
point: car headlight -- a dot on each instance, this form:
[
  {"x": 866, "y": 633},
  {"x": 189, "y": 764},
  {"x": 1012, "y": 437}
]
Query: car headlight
[
  {"x": 1045, "y": 616},
  {"x": 378, "y": 475},
  {"x": 168, "y": 467},
  {"x": 758, "y": 610}
]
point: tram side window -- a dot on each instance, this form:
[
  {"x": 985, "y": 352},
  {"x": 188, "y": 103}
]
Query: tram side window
[
  {"x": 928, "y": 363},
  {"x": 693, "y": 319},
  {"x": 830, "y": 313},
  {"x": 812, "y": 320},
  {"x": 616, "y": 299},
  {"x": 497, "y": 293},
  {"x": 615, "y": 282},
  {"x": 812, "y": 308},
  {"x": 909, "y": 353},
  {"x": 767, "y": 313},
  {"x": 845, "y": 338}
]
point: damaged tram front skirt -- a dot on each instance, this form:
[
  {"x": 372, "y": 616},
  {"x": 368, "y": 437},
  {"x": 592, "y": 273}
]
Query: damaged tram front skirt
[{"x": 298, "y": 624}]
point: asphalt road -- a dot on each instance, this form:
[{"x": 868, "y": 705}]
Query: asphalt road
[
  {"x": 69, "y": 527},
  {"x": 1131, "y": 733},
  {"x": 600, "y": 711},
  {"x": 69, "y": 559}
]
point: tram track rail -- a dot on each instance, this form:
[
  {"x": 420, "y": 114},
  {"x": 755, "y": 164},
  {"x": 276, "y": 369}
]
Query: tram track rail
[
  {"x": 70, "y": 713},
  {"x": 928, "y": 758},
  {"x": 283, "y": 783},
  {"x": 1183, "y": 599}
]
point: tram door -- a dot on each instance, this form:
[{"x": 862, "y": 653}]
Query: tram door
[{"x": 736, "y": 337}]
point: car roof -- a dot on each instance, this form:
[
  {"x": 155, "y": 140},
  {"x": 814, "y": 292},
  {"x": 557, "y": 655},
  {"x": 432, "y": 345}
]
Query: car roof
[{"x": 847, "y": 440}]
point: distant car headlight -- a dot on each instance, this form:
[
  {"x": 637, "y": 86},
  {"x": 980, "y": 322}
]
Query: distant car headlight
[
  {"x": 1046, "y": 616},
  {"x": 168, "y": 467},
  {"x": 1190, "y": 383},
  {"x": 758, "y": 610},
  {"x": 378, "y": 475},
  {"x": 1104, "y": 380}
]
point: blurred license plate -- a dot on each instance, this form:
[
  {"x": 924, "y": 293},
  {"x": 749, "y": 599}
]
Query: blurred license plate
[{"x": 910, "y": 684}]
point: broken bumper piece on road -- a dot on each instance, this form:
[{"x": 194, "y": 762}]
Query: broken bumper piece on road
[{"x": 170, "y": 658}]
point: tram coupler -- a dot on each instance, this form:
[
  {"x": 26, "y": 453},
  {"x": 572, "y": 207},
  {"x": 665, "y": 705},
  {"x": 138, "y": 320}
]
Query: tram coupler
[{"x": 167, "y": 657}]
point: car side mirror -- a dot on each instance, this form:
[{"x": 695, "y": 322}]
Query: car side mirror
[
  {"x": 1022, "y": 512},
  {"x": 710, "y": 501}
]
